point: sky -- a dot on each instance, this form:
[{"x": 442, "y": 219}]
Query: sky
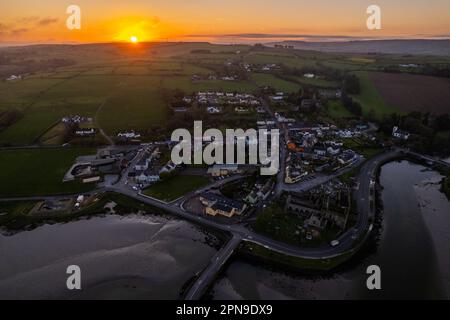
[{"x": 44, "y": 21}]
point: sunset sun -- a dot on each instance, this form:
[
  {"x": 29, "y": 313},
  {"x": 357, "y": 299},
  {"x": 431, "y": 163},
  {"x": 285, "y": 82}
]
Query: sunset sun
[{"x": 134, "y": 39}]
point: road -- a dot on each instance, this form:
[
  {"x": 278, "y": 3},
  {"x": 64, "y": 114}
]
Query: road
[
  {"x": 97, "y": 123},
  {"x": 364, "y": 196},
  {"x": 280, "y": 176}
]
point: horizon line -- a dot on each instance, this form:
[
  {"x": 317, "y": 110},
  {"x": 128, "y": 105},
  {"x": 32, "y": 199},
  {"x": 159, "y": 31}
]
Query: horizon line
[{"x": 243, "y": 37}]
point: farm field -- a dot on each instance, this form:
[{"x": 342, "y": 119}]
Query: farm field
[
  {"x": 135, "y": 105},
  {"x": 413, "y": 92},
  {"x": 318, "y": 82},
  {"x": 184, "y": 83},
  {"x": 120, "y": 87},
  {"x": 175, "y": 187},
  {"x": 287, "y": 60},
  {"x": 370, "y": 98},
  {"x": 20, "y": 94},
  {"x": 67, "y": 97},
  {"x": 262, "y": 80},
  {"x": 39, "y": 172}
]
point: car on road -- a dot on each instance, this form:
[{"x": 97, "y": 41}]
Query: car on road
[{"x": 334, "y": 243}]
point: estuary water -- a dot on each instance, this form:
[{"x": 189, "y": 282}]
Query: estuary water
[
  {"x": 413, "y": 251},
  {"x": 131, "y": 257}
]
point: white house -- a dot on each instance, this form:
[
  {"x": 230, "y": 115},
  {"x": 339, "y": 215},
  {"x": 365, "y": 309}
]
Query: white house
[
  {"x": 145, "y": 177},
  {"x": 213, "y": 110},
  {"x": 85, "y": 132},
  {"x": 400, "y": 134},
  {"x": 320, "y": 151},
  {"x": 333, "y": 150},
  {"x": 128, "y": 135},
  {"x": 13, "y": 78}
]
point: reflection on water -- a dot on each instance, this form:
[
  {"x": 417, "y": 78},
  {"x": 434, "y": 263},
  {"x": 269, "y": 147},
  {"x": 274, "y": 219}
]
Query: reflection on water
[
  {"x": 120, "y": 257},
  {"x": 413, "y": 252}
]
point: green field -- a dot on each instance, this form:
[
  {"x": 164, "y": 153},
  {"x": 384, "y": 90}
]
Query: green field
[
  {"x": 369, "y": 98},
  {"x": 317, "y": 82},
  {"x": 120, "y": 85},
  {"x": 66, "y": 97},
  {"x": 184, "y": 83},
  {"x": 175, "y": 187},
  {"x": 136, "y": 104},
  {"x": 336, "y": 109},
  {"x": 29, "y": 172},
  {"x": 279, "y": 58},
  {"x": 263, "y": 79}
]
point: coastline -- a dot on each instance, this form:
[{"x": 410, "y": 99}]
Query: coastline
[{"x": 435, "y": 209}]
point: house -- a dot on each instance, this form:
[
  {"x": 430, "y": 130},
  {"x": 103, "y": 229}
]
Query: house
[
  {"x": 85, "y": 132},
  {"x": 362, "y": 126},
  {"x": 147, "y": 176},
  {"x": 344, "y": 134},
  {"x": 294, "y": 176},
  {"x": 128, "y": 135},
  {"x": 13, "y": 78},
  {"x": 251, "y": 198},
  {"x": 264, "y": 192},
  {"x": 218, "y": 170},
  {"x": 320, "y": 150},
  {"x": 330, "y": 94},
  {"x": 142, "y": 164},
  {"x": 277, "y": 98},
  {"x": 216, "y": 204},
  {"x": 221, "y": 209},
  {"x": 76, "y": 119},
  {"x": 241, "y": 109},
  {"x": 146, "y": 159},
  {"x": 400, "y": 134},
  {"x": 315, "y": 221},
  {"x": 333, "y": 150},
  {"x": 260, "y": 110},
  {"x": 346, "y": 157},
  {"x": 410, "y": 65},
  {"x": 307, "y": 104},
  {"x": 213, "y": 109}
]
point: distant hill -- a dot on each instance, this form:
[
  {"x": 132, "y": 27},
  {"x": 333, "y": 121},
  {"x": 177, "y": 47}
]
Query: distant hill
[{"x": 430, "y": 47}]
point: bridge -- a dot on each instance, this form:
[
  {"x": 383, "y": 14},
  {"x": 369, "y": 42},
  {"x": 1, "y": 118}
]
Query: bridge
[
  {"x": 425, "y": 158},
  {"x": 212, "y": 270}
]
